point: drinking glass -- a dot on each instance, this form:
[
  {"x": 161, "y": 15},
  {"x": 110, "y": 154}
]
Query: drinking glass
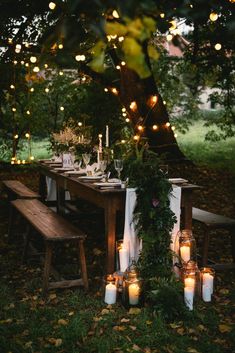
[
  {"x": 86, "y": 158},
  {"x": 103, "y": 165},
  {"x": 118, "y": 165},
  {"x": 164, "y": 169}
]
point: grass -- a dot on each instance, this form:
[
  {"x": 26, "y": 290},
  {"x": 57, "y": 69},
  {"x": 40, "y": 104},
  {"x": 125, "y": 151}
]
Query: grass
[{"x": 214, "y": 154}]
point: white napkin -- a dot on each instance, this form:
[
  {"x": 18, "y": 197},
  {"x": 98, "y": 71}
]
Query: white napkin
[
  {"x": 130, "y": 237},
  {"x": 92, "y": 168},
  {"x": 175, "y": 206}
]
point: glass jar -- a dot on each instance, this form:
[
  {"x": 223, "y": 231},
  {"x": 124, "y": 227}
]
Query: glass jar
[
  {"x": 110, "y": 289},
  {"x": 207, "y": 283},
  {"x": 122, "y": 255},
  {"x": 132, "y": 284},
  {"x": 187, "y": 246},
  {"x": 192, "y": 284}
]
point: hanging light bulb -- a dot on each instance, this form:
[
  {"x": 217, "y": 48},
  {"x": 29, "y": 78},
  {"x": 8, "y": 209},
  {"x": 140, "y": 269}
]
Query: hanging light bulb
[
  {"x": 140, "y": 128},
  {"x": 162, "y": 15},
  {"x": 60, "y": 46},
  {"x": 115, "y": 14},
  {"x": 79, "y": 123},
  {"x": 173, "y": 128},
  {"x": 164, "y": 102},
  {"x": 123, "y": 141},
  {"x": 28, "y": 112},
  {"x": 121, "y": 39},
  {"x": 127, "y": 120},
  {"x": 136, "y": 137},
  {"x": 155, "y": 127},
  {"x": 169, "y": 37},
  {"x": 106, "y": 89},
  {"x": 175, "y": 135},
  {"x": 31, "y": 89},
  {"x": 16, "y": 136},
  {"x": 124, "y": 114},
  {"x": 46, "y": 66},
  {"x": 32, "y": 158},
  {"x": 33, "y": 59},
  {"x": 123, "y": 63},
  {"x": 213, "y": 16},
  {"x": 18, "y": 47},
  {"x": 114, "y": 91},
  {"x": 27, "y": 135},
  {"x": 118, "y": 67},
  {"x": 52, "y": 5},
  {"x": 80, "y": 58},
  {"x": 27, "y": 64},
  {"x": 62, "y": 108},
  {"x": 15, "y": 62},
  {"x": 124, "y": 109},
  {"x": 22, "y": 62},
  {"x": 168, "y": 124},
  {"x": 47, "y": 90},
  {"x": 61, "y": 73},
  {"x": 12, "y": 86},
  {"x": 13, "y": 109},
  {"x": 23, "y": 161}
]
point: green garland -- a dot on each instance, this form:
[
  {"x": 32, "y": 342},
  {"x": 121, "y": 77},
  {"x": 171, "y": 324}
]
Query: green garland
[{"x": 155, "y": 222}]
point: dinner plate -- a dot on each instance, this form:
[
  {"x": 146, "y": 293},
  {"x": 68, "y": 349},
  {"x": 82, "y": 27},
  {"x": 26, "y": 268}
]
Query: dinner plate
[
  {"x": 177, "y": 180},
  {"x": 62, "y": 169},
  {"x": 75, "y": 172},
  {"x": 107, "y": 184},
  {"x": 92, "y": 177}
]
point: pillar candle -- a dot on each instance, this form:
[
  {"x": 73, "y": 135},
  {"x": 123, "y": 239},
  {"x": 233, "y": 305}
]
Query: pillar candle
[
  {"x": 107, "y": 136},
  {"x": 206, "y": 293},
  {"x": 188, "y": 297},
  {"x": 100, "y": 143},
  {"x": 123, "y": 259},
  {"x": 208, "y": 280},
  {"x": 110, "y": 294},
  {"x": 134, "y": 292},
  {"x": 189, "y": 282},
  {"x": 185, "y": 253}
]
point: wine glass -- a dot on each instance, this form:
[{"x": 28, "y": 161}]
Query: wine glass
[
  {"x": 86, "y": 158},
  {"x": 164, "y": 169},
  {"x": 118, "y": 165},
  {"x": 103, "y": 165}
]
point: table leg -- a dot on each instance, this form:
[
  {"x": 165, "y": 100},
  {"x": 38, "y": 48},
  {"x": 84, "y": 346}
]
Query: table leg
[
  {"x": 60, "y": 205},
  {"x": 110, "y": 235},
  {"x": 187, "y": 210},
  {"x": 42, "y": 186}
]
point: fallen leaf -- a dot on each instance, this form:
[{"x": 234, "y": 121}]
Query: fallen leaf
[
  {"x": 224, "y": 291},
  {"x": 71, "y": 313},
  {"x": 133, "y": 328},
  {"x": 225, "y": 328},
  {"x": 148, "y": 322},
  {"x": 58, "y": 342},
  {"x": 174, "y": 326},
  {"x": 192, "y": 350},
  {"x": 134, "y": 311},
  {"x": 28, "y": 344},
  {"x": 52, "y": 296},
  {"x": 97, "y": 251},
  {"x": 201, "y": 327},
  {"x": 119, "y": 328},
  {"x": 136, "y": 348},
  {"x": 104, "y": 312},
  {"x": 180, "y": 331},
  {"x": 125, "y": 320},
  {"x": 62, "y": 322}
]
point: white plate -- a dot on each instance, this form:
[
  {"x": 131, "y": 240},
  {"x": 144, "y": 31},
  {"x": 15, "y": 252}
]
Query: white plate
[
  {"x": 107, "y": 184},
  {"x": 93, "y": 177},
  {"x": 63, "y": 169},
  {"x": 177, "y": 180},
  {"x": 75, "y": 172}
]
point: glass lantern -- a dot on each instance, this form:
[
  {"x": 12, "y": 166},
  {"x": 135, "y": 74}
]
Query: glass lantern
[
  {"x": 122, "y": 255},
  {"x": 187, "y": 246},
  {"x": 110, "y": 289},
  {"x": 192, "y": 284},
  {"x": 207, "y": 283},
  {"x": 132, "y": 284}
]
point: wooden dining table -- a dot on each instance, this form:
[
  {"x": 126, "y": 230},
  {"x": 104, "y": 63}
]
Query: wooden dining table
[{"x": 111, "y": 200}]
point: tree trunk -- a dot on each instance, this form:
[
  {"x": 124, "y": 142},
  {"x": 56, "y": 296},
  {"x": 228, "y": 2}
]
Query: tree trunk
[{"x": 149, "y": 113}]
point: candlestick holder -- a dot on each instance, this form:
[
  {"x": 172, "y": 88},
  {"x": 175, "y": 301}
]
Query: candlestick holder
[
  {"x": 110, "y": 289},
  {"x": 132, "y": 286},
  {"x": 207, "y": 283},
  {"x": 122, "y": 255},
  {"x": 187, "y": 246}
]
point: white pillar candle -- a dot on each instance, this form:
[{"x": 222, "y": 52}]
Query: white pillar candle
[
  {"x": 100, "y": 143},
  {"x": 134, "y": 292},
  {"x": 185, "y": 253},
  {"x": 189, "y": 282},
  {"x": 123, "y": 258},
  {"x": 107, "y": 136},
  {"x": 206, "y": 293},
  {"x": 208, "y": 280},
  {"x": 110, "y": 294},
  {"x": 188, "y": 297}
]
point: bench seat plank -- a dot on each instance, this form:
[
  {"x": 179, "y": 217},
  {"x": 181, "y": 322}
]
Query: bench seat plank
[
  {"x": 212, "y": 220},
  {"x": 19, "y": 189},
  {"x": 52, "y": 227}
]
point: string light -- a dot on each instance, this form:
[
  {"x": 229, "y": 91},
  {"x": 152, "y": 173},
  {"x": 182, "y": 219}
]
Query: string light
[
  {"x": 12, "y": 86},
  {"x": 61, "y": 73},
  {"x": 28, "y": 112},
  {"x": 127, "y": 120},
  {"x": 84, "y": 78},
  {"x": 52, "y": 5},
  {"x": 123, "y": 109},
  {"x": 114, "y": 91},
  {"x": 118, "y": 67},
  {"x": 79, "y": 123},
  {"x": 62, "y": 108},
  {"x": 31, "y": 158},
  {"x": 18, "y": 47},
  {"x": 31, "y": 89},
  {"x": 121, "y": 39},
  {"x": 123, "y": 141},
  {"x": 15, "y": 62},
  {"x": 213, "y": 16},
  {"x": 168, "y": 124},
  {"x": 13, "y": 158},
  {"x": 33, "y": 59},
  {"x": 80, "y": 58},
  {"x": 12, "y": 162},
  {"x": 16, "y": 136},
  {"x": 115, "y": 14},
  {"x": 173, "y": 128},
  {"x": 136, "y": 137},
  {"x": 155, "y": 127},
  {"x": 123, "y": 63},
  {"x": 10, "y": 40},
  {"x": 133, "y": 106},
  {"x": 152, "y": 100},
  {"x": 47, "y": 90},
  {"x": 175, "y": 135},
  {"x": 60, "y": 46},
  {"x": 191, "y": 5},
  {"x": 27, "y": 135},
  {"x": 100, "y": 136},
  {"x": 46, "y": 66},
  {"x": 173, "y": 25},
  {"x": 26, "y": 44},
  {"x": 140, "y": 128},
  {"x": 218, "y": 46},
  {"x": 36, "y": 69},
  {"x": 19, "y": 161},
  {"x": 106, "y": 89},
  {"x": 27, "y": 64},
  {"x": 162, "y": 15},
  {"x": 13, "y": 109},
  {"x": 114, "y": 36},
  {"x": 23, "y": 161},
  {"x": 124, "y": 114},
  {"x": 164, "y": 102}
]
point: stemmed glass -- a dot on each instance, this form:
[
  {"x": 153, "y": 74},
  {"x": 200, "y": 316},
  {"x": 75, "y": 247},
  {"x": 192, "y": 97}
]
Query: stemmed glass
[
  {"x": 118, "y": 165},
  {"x": 86, "y": 158},
  {"x": 103, "y": 165}
]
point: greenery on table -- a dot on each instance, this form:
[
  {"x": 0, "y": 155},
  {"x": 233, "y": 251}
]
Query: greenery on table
[{"x": 154, "y": 223}]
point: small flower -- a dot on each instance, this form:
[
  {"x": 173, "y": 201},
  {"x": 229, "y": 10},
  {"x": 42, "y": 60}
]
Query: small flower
[{"x": 155, "y": 202}]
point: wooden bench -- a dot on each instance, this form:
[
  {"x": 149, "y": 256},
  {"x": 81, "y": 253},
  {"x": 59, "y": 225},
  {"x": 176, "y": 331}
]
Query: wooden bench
[
  {"x": 212, "y": 221},
  {"x": 16, "y": 190},
  {"x": 54, "y": 229}
]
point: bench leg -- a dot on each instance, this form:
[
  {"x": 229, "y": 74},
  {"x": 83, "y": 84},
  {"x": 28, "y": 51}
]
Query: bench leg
[
  {"x": 206, "y": 241},
  {"x": 47, "y": 266},
  {"x": 232, "y": 235},
  {"x": 26, "y": 243},
  {"x": 83, "y": 263}
]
